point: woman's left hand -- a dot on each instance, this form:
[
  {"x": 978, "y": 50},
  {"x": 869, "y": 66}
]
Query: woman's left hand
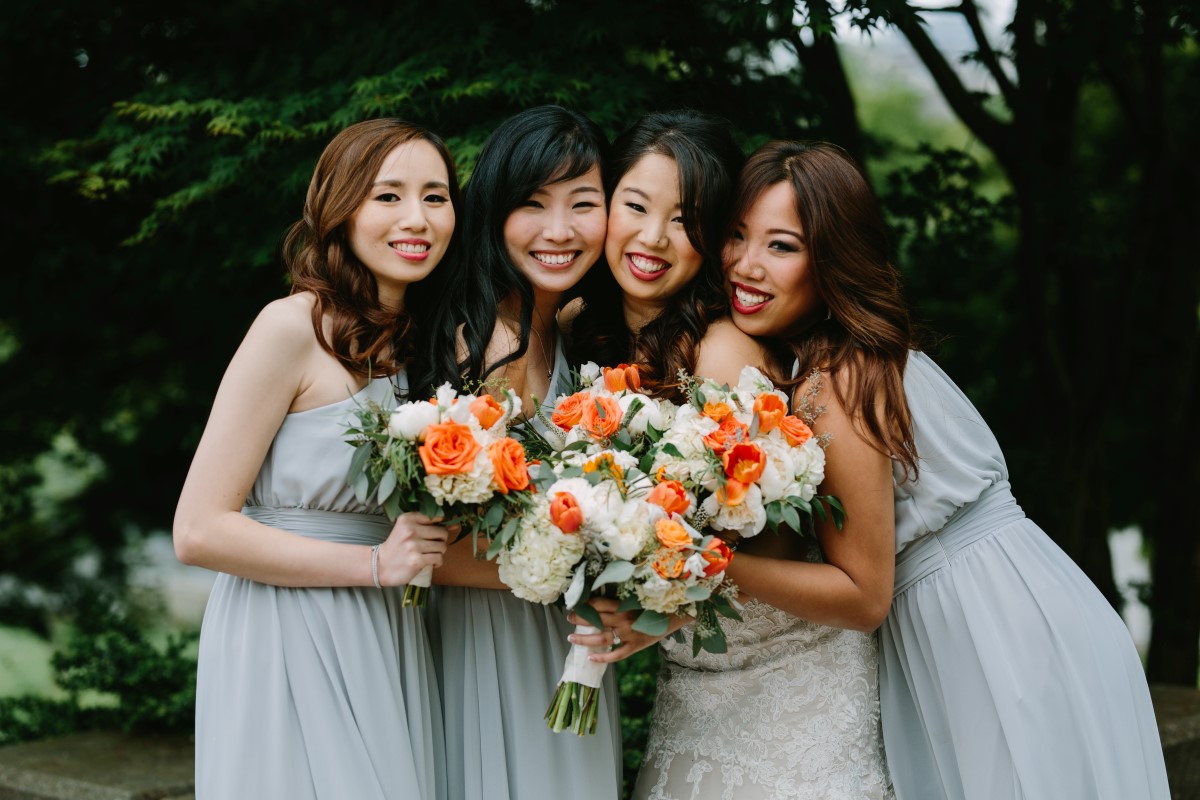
[{"x": 617, "y": 634}]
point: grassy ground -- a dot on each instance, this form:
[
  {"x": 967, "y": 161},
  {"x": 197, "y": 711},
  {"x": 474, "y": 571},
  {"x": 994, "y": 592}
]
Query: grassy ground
[{"x": 25, "y": 664}]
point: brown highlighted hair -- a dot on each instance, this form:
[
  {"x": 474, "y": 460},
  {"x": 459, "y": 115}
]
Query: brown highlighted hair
[
  {"x": 868, "y": 332},
  {"x": 365, "y": 337}
]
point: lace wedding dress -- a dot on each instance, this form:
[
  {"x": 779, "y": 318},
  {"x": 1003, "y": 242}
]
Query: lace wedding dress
[{"x": 790, "y": 711}]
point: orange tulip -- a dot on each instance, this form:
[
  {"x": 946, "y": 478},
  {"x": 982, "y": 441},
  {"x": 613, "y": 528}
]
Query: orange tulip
[
  {"x": 744, "y": 462},
  {"x": 486, "y": 410},
  {"x": 718, "y": 555},
  {"x": 670, "y": 496},
  {"x": 771, "y": 410},
  {"x": 733, "y": 493},
  {"x": 621, "y": 377},
  {"x": 565, "y": 512}
]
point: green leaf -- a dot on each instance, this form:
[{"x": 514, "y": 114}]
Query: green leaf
[
  {"x": 614, "y": 572},
  {"x": 774, "y": 511},
  {"x": 652, "y": 623},
  {"x": 392, "y": 506},
  {"x": 630, "y": 603},
  {"x": 671, "y": 450},
  {"x": 358, "y": 463},
  {"x": 697, "y": 593},
  {"x": 791, "y": 518},
  {"x": 493, "y": 517},
  {"x": 387, "y": 484},
  {"x": 590, "y": 615},
  {"x": 428, "y": 506},
  {"x": 361, "y": 484}
]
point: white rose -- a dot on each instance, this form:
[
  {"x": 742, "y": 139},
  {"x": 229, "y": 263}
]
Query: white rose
[
  {"x": 647, "y": 414},
  {"x": 410, "y": 420},
  {"x": 588, "y": 373}
]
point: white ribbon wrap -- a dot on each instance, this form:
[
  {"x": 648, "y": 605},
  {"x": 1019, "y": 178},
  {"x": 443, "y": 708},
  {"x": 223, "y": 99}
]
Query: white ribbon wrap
[
  {"x": 577, "y": 668},
  {"x": 424, "y": 578}
]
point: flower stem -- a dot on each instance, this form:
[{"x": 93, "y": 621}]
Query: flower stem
[
  {"x": 414, "y": 596},
  {"x": 575, "y": 707}
]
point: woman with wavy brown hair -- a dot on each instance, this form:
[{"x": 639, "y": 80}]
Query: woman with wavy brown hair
[
  {"x": 1004, "y": 672},
  {"x": 313, "y": 680}
]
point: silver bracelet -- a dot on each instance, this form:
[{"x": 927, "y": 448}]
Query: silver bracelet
[{"x": 375, "y": 566}]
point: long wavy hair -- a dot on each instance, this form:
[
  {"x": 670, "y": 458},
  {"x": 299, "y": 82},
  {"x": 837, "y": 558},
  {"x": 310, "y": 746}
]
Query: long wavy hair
[
  {"x": 531, "y": 149},
  {"x": 708, "y": 160},
  {"x": 867, "y": 331},
  {"x": 368, "y": 339}
]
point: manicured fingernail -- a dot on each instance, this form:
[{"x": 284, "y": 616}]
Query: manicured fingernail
[{"x": 571, "y": 638}]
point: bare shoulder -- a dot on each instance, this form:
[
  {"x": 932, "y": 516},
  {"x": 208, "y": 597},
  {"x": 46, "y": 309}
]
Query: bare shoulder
[
  {"x": 506, "y": 337},
  {"x": 725, "y": 350},
  {"x": 288, "y": 319}
]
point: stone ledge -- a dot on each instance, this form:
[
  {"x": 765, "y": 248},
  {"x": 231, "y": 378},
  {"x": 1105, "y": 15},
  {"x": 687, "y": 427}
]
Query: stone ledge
[
  {"x": 99, "y": 766},
  {"x": 1178, "y": 711}
]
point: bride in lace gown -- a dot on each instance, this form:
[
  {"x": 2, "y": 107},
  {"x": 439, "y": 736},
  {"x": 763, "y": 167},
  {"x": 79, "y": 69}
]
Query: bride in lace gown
[{"x": 791, "y": 710}]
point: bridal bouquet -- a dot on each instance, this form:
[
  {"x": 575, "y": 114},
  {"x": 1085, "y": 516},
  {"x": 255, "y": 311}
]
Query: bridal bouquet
[
  {"x": 601, "y": 525},
  {"x": 450, "y": 455},
  {"x": 747, "y": 461}
]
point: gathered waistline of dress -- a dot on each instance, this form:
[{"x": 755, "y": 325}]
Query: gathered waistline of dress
[
  {"x": 977, "y": 520},
  {"x": 346, "y": 527}
]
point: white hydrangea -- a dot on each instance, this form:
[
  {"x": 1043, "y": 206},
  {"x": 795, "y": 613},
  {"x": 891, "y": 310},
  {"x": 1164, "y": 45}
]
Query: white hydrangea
[
  {"x": 464, "y": 487},
  {"x": 539, "y": 565}
]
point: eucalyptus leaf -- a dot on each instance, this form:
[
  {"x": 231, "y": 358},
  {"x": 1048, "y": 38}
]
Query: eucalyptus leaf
[{"x": 652, "y": 623}]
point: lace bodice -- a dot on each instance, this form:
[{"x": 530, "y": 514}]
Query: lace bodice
[{"x": 790, "y": 711}]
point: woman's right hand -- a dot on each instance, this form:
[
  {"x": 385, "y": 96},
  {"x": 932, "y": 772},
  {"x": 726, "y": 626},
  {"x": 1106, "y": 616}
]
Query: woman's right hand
[
  {"x": 617, "y": 635},
  {"x": 416, "y": 542}
]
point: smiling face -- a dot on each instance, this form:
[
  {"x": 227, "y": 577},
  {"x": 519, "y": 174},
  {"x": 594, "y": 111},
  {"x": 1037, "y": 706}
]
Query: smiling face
[
  {"x": 556, "y": 235},
  {"x": 402, "y": 229},
  {"x": 768, "y": 270},
  {"x": 647, "y": 247}
]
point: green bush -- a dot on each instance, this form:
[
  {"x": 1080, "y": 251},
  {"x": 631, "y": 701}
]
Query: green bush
[
  {"x": 637, "y": 677},
  {"x": 114, "y": 677}
]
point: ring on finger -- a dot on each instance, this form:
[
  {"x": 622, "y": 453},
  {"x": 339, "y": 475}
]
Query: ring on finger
[{"x": 616, "y": 638}]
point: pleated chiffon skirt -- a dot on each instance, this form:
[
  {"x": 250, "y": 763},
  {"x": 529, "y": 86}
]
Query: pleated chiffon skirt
[
  {"x": 500, "y": 658},
  {"x": 1006, "y": 674},
  {"x": 316, "y": 692}
]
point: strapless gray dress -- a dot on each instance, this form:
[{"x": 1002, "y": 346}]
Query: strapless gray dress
[
  {"x": 1005, "y": 673},
  {"x": 499, "y": 658},
  {"x": 313, "y": 693}
]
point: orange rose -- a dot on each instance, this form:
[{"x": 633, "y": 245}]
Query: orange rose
[
  {"x": 744, "y": 462},
  {"x": 795, "y": 430},
  {"x": 601, "y": 417},
  {"x": 621, "y": 377},
  {"x": 771, "y": 411},
  {"x": 672, "y": 535},
  {"x": 569, "y": 411},
  {"x": 486, "y": 410},
  {"x": 565, "y": 512},
  {"x": 670, "y": 496},
  {"x": 717, "y": 412},
  {"x": 508, "y": 465},
  {"x": 668, "y": 563},
  {"x": 449, "y": 449},
  {"x": 733, "y": 493},
  {"x": 718, "y": 555},
  {"x": 728, "y": 433}
]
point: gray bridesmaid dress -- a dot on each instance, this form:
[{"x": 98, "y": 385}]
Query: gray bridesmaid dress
[
  {"x": 499, "y": 658},
  {"x": 1004, "y": 672},
  {"x": 306, "y": 693}
]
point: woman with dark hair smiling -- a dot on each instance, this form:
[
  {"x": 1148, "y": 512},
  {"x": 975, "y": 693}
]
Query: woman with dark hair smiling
[
  {"x": 1004, "y": 672},
  {"x": 533, "y": 225},
  {"x": 791, "y": 709}
]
